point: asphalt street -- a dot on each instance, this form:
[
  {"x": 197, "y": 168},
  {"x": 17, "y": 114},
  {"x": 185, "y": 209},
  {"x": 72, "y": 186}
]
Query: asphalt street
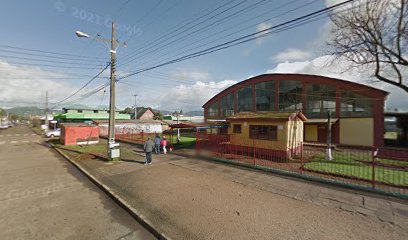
[{"x": 44, "y": 197}]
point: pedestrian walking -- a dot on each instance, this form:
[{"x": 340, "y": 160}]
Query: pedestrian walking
[
  {"x": 157, "y": 144},
  {"x": 148, "y": 149},
  {"x": 163, "y": 143}
]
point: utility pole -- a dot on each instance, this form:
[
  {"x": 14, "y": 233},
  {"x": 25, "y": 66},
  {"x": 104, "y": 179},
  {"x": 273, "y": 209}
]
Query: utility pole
[
  {"x": 135, "y": 105},
  {"x": 328, "y": 127},
  {"x": 46, "y": 103},
  {"x": 112, "y": 153},
  {"x": 178, "y": 129},
  {"x": 113, "y": 150}
]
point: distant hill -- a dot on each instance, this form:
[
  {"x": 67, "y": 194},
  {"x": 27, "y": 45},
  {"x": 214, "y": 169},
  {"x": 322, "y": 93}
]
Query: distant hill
[
  {"x": 194, "y": 113},
  {"x": 21, "y": 111},
  {"x": 189, "y": 113}
]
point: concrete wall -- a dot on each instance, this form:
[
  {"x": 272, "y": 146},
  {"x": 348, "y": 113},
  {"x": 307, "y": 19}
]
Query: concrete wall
[
  {"x": 131, "y": 128},
  {"x": 357, "y": 131},
  {"x": 77, "y": 135},
  {"x": 310, "y": 133}
]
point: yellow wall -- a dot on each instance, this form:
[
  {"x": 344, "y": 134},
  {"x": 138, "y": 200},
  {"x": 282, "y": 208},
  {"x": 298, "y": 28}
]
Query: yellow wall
[
  {"x": 295, "y": 134},
  {"x": 311, "y": 133},
  {"x": 357, "y": 131},
  {"x": 294, "y": 129}
]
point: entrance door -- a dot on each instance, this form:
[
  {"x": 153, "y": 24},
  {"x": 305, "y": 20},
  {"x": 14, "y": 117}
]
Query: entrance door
[{"x": 322, "y": 133}]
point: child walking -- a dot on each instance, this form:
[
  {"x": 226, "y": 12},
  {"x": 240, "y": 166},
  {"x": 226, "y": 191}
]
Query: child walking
[{"x": 163, "y": 143}]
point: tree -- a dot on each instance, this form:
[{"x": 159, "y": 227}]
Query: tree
[
  {"x": 2, "y": 112},
  {"x": 128, "y": 110},
  {"x": 374, "y": 34},
  {"x": 157, "y": 115}
]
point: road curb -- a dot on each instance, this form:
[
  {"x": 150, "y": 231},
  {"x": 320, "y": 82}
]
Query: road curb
[{"x": 140, "y": 218}]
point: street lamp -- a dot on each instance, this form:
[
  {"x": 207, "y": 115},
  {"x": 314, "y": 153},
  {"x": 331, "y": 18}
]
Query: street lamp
[{"x": 113, "y": 150}]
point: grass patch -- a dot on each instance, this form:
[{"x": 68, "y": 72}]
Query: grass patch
[
  {"x": 184, "y": 141},
  {"x": 100, "y": 150},
  {"x": 356, "y": 164}
]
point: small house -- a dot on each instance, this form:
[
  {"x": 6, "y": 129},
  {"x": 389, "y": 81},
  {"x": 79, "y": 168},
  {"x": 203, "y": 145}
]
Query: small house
[
  {"x": 273, "y": 133},
  {"x": 79, "y": 134}
]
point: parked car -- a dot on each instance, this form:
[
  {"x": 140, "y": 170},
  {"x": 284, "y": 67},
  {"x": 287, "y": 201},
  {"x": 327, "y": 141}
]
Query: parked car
[{"x": 53, "y": 133}]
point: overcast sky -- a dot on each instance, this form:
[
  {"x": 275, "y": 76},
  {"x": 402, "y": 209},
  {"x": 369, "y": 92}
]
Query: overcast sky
[{"x": 157, "y": 31}]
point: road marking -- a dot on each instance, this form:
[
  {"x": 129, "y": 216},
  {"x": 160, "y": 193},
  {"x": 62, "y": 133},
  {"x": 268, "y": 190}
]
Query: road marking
[
  {"x": 25, "y": 141},
  {"x": 14, "y": 142},
  {"x": 25, "y": 134},
  {"x": 1, "y": 136},
  {"x": 33, "y": 134},
  {"x": 3, "y": 142},
  {"x": 8, "y": 135},
  {"x": 17, "y": 134}
]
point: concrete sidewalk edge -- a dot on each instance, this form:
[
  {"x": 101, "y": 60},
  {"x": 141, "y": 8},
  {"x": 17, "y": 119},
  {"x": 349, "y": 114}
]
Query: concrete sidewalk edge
[{"x": 140, "y": 218}]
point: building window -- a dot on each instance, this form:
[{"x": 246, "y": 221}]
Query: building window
[
  {"x": 355, "y": 105},
  {"x": 244, "y": 99},
  {"x": 236, "y": 128},
  {"x": 265, "y": 96},
  {"x": 213, "y": 111},
  {"x": 263, "y": 132},
  {"x": 320, "y": 100},
  {"x": 79, "y": 111},
  {"x": 227, "y": 106},
  {"x": 96, "y": 111},
  {"x": 290, "y": 95}
]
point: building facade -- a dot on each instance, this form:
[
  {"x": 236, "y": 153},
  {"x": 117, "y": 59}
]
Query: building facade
[
  {"x": 356, "y": 110},
  {"x": 83, "y": 114}
]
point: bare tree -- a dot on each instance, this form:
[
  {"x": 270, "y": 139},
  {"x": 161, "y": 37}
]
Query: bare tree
[{"x": 374, "y": 34}]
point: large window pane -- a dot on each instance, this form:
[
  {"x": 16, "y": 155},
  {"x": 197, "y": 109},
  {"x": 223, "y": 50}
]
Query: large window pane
[
  {"x": 355, "y": 105},
  {"x": 213, "y": 111},
  {"x": 320, "y": 100},
  {"x": 244, "y": 99},
  {"x": 227, "y": 105},
  {"x": 263, "y": 132},
  {"x": 290, "y": 95},
  {"x": 265, "y": 96}
]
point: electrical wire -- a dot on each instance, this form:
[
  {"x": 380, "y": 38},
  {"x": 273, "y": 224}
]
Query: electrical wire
[{"x": 243, "y": 39}]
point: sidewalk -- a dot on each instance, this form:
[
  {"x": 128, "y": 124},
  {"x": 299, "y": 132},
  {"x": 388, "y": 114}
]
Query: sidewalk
[{"x": 187, "y": 198}]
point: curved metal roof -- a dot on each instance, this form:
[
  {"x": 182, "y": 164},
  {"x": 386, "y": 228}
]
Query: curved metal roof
[{"x": 352, "y": 86}]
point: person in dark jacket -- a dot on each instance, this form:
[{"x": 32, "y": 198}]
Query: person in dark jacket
[
  {"x": 148, "y": 149},
  {"x": 157, "y": 144}
]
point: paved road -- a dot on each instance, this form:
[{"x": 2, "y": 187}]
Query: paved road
[{"x": 44, "y": 197}]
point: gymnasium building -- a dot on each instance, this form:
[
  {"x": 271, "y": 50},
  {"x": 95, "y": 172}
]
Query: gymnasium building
[{"x": 356, "y": 110}]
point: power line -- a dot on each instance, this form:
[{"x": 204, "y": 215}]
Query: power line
[
  {"x": 243, "y": 39},
  {"x": 175, "y": 31},
  {"x": 238, "y": 31},
  {"x": 96, "y": 76},
  {"x": 49, "y": 52},
  {"x": 179, "y": 36},
  {"x": 42, "y": 60}
]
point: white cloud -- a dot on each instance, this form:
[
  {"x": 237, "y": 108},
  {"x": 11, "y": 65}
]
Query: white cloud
[
  {"x": 341, "y": 69},
  {"x": 27, "y": 85},
  {"x": 190, "y": 75},
  {"x": 261, "y": 27},
  {"x": 192, "y": 97},
  {"x": 292, "y": 54}
]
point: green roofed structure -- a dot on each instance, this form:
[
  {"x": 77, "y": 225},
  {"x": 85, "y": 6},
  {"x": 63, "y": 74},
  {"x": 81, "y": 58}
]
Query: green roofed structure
[{"x": 84, "y": 114}]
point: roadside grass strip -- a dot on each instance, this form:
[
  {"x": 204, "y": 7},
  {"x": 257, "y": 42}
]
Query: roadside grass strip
[{"x": 360, "y": 166}]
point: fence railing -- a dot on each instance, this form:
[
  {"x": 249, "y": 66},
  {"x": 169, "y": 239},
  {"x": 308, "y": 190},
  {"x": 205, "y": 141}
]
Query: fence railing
[{"x": 381, "y": 169}]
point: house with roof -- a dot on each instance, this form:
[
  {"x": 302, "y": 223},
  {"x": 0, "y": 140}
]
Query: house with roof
[
  {"x": 84, "y": 114},
  {"x": 274, "y": 133}
]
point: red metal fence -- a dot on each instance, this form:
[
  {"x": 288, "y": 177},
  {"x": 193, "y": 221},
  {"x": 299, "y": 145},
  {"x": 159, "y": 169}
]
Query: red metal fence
[{"x": 380, "y": 169}]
